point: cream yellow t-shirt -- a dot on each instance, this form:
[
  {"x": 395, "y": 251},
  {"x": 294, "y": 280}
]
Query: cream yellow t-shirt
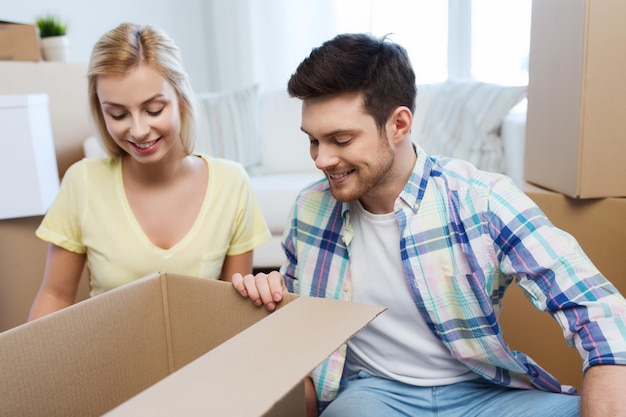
[{"x": 91, "y": 215}]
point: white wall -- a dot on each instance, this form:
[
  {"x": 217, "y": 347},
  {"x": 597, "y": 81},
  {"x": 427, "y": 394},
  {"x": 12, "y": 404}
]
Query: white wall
[{"x": 184, "y": 20}]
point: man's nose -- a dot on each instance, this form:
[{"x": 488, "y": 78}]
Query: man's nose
[{"x": 325, "y": 156}]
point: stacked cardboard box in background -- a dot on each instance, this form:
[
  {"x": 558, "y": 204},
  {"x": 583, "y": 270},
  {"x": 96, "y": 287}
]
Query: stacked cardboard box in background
[
  {"x": 576, "y": 129},
  {"x": 574, "y": 155},
  {"x": 19, "y": 42},
  {"x": 27, "y": 153}
]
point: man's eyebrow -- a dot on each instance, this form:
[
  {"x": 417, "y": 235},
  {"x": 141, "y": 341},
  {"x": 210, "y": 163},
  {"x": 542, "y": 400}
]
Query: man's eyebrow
[
  {"x": 332, "y": 133},
  {"x": 154, "y": 97}
]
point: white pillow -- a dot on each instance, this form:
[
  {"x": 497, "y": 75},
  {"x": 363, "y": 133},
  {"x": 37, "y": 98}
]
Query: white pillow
[
  {"x": 464, "y": 118},
  {"x": 285, "y": 146},
  {"x": 230, "y": 126}
]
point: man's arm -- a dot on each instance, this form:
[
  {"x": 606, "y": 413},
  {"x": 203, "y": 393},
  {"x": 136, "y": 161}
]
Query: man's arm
[{"x": 603, "y": 392}]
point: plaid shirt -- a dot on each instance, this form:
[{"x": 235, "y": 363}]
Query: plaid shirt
[{"x": 466, "y": 235}]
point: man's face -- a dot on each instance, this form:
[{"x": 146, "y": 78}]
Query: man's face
[{"x": 347, "y": 146}]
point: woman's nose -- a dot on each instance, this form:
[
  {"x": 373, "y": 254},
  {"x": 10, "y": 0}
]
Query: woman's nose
[{"x": 139, "y": 128}]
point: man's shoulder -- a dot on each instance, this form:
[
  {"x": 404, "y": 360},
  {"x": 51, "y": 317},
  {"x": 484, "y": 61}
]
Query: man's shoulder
[
  {"x": 477, "y": 191},
  {"x": 459, "y": 175}
]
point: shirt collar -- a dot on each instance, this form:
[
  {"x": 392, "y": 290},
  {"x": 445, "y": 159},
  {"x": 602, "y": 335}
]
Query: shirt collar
[{"x": 413, "y": 191}]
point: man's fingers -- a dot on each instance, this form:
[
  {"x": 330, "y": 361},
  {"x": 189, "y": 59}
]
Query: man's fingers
[
  {"x": 250, "y": 284},
  {"x": 262, "y": 289},
  {"x": 237, "y": 281},
  {"x": 277, "y": 286},
  {"x": 265, "y": 291}
]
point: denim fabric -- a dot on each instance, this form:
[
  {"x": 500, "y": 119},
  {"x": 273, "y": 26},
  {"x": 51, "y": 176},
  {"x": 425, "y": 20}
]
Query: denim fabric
[{"x": 366, "y": 396}]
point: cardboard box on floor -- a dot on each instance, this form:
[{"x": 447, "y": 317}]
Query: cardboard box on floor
[
  {"x": 19, "y": 42},
  {"x": 575, "y": 124},
  {"x": 171, "y": 345},
  {"x": 599, "y": 226}
]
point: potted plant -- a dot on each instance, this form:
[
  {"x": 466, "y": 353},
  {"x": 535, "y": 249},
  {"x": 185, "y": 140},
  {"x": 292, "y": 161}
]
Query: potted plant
[{"x": 53, "y": 35}]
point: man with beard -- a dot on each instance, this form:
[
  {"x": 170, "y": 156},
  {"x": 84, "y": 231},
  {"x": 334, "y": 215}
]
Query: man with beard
[{"x": 437, "y": 241}]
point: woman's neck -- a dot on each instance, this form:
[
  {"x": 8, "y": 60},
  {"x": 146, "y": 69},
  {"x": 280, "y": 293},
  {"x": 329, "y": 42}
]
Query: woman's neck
[{"x": 171, "y": 167}]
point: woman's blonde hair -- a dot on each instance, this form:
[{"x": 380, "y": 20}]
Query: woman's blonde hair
[{"x": 127, "y": 47}]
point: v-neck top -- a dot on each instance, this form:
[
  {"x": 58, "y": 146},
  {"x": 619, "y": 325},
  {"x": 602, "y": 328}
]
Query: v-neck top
[{"x": 91, "y": 215}]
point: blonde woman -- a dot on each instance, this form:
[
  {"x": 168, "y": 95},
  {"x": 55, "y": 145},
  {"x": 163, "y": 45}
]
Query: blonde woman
[{"x": 152, "y": 205}]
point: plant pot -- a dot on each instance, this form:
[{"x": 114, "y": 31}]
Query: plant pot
[{"x": 55, "y": 48}]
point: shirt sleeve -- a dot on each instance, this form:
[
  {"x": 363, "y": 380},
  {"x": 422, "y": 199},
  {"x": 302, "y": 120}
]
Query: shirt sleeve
[
  {"x": 557, "y": 276},
  {"x": 61, "y": 224},
  {"x": 250, "y": 229}
]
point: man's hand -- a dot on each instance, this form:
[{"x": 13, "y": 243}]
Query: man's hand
[{"x": 262, "y": 289}]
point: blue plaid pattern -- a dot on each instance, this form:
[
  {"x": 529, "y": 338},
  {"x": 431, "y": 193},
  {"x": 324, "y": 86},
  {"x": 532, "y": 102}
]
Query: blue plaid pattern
[{"x": 466, "y": 235}]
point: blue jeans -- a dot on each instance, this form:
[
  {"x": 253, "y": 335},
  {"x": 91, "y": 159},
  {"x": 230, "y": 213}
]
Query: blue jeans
[{"x": 366, "y": 396}]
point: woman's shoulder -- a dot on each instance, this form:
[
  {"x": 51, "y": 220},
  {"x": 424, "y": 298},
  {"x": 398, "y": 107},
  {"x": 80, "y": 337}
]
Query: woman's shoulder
[
  {"x": 92, "y": 168},
  {"x": 223, "y": 166}
]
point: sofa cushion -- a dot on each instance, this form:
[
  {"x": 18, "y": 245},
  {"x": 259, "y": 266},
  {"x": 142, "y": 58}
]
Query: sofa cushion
[
  {"x": 463, "y": 120},
  {"x": 285, "y": 146},
  {"x": 229, "y": 126}
]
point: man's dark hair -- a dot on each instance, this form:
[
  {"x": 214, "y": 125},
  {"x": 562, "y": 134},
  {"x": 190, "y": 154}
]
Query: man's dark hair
[{"x": 348, "y": 63}]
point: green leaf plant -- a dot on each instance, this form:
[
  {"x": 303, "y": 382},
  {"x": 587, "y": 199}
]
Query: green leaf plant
[{"x": 51, "y": 25}]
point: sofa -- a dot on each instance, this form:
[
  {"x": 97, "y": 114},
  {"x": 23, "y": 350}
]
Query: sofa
[{"x": 484, "y": 123}]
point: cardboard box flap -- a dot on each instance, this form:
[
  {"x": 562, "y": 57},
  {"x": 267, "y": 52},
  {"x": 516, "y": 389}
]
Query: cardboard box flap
[
  {"x": 202, "y": 314},
  {"x": 278, "y": 351}
]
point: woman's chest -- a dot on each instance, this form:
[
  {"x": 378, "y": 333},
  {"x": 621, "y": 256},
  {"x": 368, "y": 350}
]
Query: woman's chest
[{"x": 167, "y": 214}]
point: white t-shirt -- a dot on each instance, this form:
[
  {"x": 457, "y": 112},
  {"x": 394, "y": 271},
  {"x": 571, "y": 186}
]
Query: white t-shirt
[{"x": 398, "y": 344}]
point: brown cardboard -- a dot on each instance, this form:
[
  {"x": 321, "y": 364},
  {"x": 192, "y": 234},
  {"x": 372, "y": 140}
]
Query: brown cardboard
[
  {"x": 575, "y": 141},
  {"x": 599, "y": 226},
  {"x": 19, "y": 42},
  {"x": 194, "y": 345}
]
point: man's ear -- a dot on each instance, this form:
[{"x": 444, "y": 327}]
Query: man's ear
[{"x": 400, "y": 123}]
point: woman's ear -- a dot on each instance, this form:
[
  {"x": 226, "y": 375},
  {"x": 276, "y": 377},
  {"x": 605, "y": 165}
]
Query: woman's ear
[{"x": 400, "y": 123}]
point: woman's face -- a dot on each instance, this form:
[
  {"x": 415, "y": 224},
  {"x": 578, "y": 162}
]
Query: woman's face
[{"x": 141, "y": 113}]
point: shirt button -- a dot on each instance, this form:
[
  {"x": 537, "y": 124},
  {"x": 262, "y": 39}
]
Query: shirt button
[{"x": 346, "y": 288}]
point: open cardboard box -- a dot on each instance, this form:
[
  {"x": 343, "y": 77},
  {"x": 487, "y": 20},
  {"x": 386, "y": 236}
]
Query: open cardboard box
[{"x": 170, "y": 345}]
